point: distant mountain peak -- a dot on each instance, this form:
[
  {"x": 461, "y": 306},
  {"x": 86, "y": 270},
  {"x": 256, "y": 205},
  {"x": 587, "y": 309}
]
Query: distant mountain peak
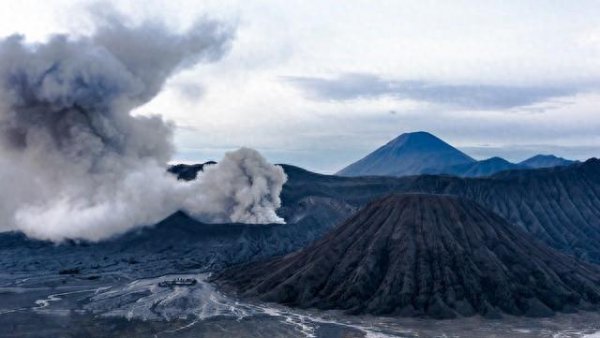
[
  {"x": 407, "y": 154},
  {"x": 495, "y": 159},
  {"x": 417, "y": 138},
  {"x": 487, "y": 167},
  {"x": 420, "y": 152},
  {"x": 416, "y": 135},
  {"x": 545, "y": 161},
  {"x": 538, "y": 156}
]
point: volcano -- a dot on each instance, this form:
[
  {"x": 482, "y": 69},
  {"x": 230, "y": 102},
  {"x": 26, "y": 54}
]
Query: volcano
[
  {"x": 421, "y": 255},
  {"x": 408, "y": 154}
]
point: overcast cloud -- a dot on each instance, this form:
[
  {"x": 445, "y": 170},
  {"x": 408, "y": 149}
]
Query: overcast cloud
[
  {"x": 471, "y": 96},
  {"x": 321, "y": 83}
]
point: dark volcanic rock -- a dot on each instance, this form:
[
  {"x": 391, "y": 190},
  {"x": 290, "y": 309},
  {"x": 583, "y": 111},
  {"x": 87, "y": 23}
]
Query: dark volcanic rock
[
  {"x": 424, "y": 255},
  {"x": 176, "y": 244},
  {"x": 560, "y": 206},
  {"x": 188, "y": 172}
]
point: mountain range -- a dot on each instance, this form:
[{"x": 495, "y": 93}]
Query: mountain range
[
  {"x": 558, "y": 205},
  {"x": 423, "y": 153}
]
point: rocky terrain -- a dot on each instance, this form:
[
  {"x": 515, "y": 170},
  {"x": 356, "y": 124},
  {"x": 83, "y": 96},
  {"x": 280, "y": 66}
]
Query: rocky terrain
[
  {"x": 560, "y": 205},
  {"x": 80, "y": 286},
  {"x": 176, "y": 244},
  {"x": 424, "y": 255},
  {"x": 188, "y": 172}
]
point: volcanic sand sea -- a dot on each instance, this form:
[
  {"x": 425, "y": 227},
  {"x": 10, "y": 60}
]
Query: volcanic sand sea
[{"x": 139, "y": 308}]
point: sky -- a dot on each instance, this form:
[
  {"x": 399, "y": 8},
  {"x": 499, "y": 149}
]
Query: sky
[{"x": 320, "y": 84}]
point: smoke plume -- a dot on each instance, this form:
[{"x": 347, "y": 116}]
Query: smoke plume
[{"x": 74, "y": 162}]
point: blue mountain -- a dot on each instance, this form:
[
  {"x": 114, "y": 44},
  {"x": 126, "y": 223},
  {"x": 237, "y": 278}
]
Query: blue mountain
[
  {"x": 408, "y": 154},
  {"x": 545, "y": 161},
  {"x": 481, "y": 168}
]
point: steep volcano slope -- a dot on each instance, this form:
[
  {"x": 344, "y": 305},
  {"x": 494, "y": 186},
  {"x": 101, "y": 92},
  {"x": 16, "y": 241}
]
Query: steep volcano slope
[
  {"x": 560, "y": 206},
  {"x": 408, "y": 154},
  {"x": 424, "y": 255}
]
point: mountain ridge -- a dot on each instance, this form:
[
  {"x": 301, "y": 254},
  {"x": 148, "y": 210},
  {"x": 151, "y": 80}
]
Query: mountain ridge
[
  {"x": 487, "y": 167},
  {"x": 559, "y": 205},
  {"x": 545, "y": 161},
  {"x": 420, "y": 152}
]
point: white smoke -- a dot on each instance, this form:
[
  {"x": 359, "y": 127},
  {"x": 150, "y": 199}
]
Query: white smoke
[
  {"x": 74, "y": 163},
  {"x": 243, "y": 188}
]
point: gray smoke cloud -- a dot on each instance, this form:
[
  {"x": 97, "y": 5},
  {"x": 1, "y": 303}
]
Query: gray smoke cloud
[
  {"x": 74, "y": 161},
  {"x": 243, "y": 187}
]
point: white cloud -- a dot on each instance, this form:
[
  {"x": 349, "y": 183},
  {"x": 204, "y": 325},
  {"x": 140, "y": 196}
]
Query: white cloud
[{"x": 244, "y": 101}]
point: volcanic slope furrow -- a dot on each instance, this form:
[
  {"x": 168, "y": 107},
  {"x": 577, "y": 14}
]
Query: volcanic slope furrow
[{"x": 424, "y": 255}]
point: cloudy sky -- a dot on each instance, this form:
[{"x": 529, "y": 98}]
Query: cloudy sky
[{"x": 321, "y": 83}]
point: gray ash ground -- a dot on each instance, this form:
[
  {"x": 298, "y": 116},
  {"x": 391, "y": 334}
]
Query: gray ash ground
[{"x": 119, "y": 306}]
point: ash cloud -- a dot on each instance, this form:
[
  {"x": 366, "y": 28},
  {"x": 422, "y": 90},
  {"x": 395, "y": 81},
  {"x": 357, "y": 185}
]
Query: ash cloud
[
  {"x": 74, "y": 162},
  {"x": 244, "y": 188}
]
